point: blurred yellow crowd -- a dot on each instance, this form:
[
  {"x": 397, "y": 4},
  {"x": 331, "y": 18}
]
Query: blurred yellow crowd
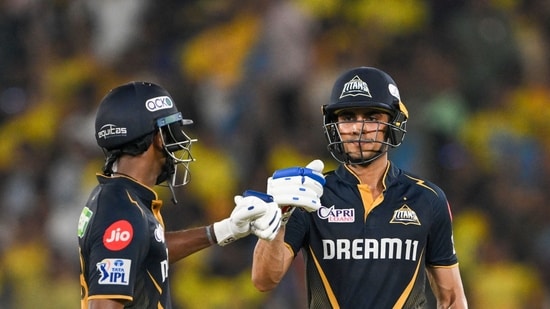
[{"x": 253, "y": 75}]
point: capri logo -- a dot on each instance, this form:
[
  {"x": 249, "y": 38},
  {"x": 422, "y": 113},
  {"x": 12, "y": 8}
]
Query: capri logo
[
  {"x": 337, "y": 215},
  {"x": 158, "y": 103}
]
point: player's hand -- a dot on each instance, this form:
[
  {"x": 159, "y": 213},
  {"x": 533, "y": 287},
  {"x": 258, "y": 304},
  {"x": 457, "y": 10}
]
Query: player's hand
[
  {"x": 300, "y": 187},
  {"x": 267, "y": 226},
  {"x": 238, "y": 225}
]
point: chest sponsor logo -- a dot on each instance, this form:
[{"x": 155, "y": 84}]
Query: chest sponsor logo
[
  {"x": 370, "y": 249},
  {"x": 118, "y": 235},
  {"x": 405, "y": 215},
  {"x": 114, "y": 271},
  {"x": 334, "y": 215}
]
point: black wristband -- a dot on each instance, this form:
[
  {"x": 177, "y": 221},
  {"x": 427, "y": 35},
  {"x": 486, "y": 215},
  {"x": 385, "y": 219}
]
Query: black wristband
[{"x": 211, "y": 235}]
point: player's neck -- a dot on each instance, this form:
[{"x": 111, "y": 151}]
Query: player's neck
[
  {"x": 371, "y": 174},
  {"x": 137, "y": 167}
]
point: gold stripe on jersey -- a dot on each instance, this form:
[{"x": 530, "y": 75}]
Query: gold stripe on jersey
[
  {"x": 421, "y": 183},
  {"x": 135, "y": 203},
  {"x": 403, "y": 298},
  {"x": 111, "y": 296},
  {"x": 83, "y": 285},
  {"x": 444, "y": 266},
  {"x": 157, "y": 286},
  {"x": 290, "y": 248},
  {"x": 328, "y": 289},
  {"x": 156, "y": 205}
]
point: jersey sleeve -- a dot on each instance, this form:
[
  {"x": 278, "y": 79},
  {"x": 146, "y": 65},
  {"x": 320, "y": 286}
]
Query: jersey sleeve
[
  {"x": 296, "y": 229},
  {"x": 118, "y": 246},
  {"x": 440, "y": 248}
]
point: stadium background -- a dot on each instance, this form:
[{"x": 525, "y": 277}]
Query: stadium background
[{"x": 252, "y": 74}]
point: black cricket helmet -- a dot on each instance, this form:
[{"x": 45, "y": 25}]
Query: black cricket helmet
[
  {"x": 128, "y": 118},
  {"x": 364, "y": 87}
]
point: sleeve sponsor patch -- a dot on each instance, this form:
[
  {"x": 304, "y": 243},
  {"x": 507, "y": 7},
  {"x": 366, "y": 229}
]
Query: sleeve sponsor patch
[
  {"x": 83, "y": 221},
  {"x": 118, "y": 235},
  {"x": 114, "y": 271}
]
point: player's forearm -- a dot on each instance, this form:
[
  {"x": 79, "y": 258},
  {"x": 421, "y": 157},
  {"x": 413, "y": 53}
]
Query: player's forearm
[
  {"x": 447, "y": 288},
  {"x": 105, "y": 304},
  {"x": 453, "y": 303},
  {"x": 270, "y": 262},
  {"x": 186, "y": 242},
  {"x": 451, "y": 298}
]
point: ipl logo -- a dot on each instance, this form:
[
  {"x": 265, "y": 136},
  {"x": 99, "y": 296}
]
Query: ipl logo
[{"x": 114, "y": 271}]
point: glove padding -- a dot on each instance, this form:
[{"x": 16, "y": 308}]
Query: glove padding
[
  {"x": 297, "y": 187},
  {"x": 267, "y": 226},
  {"x": 238, "y": 225}
]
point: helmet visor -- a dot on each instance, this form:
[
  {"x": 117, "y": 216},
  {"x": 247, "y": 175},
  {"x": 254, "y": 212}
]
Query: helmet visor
[{"x": 177, "y": 145}]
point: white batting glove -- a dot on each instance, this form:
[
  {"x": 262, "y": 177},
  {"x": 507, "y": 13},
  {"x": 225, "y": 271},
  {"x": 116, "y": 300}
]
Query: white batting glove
[
  {"x": 238, "y": 225},
  {"x": 297, "y": 187},
  {"x": 267, "y": 226}
]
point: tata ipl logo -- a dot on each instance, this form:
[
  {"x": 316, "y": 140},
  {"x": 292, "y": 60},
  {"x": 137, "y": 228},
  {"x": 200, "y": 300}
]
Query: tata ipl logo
[{"x": 114, "y": 271}]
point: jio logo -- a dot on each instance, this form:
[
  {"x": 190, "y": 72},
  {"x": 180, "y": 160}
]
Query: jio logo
[{"x": 118, "y": 235}]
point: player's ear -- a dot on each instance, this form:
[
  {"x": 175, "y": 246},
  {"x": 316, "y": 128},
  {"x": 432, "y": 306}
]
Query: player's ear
[{"x": 157, "y": 141}]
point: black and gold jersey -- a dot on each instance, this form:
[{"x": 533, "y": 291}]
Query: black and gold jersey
[
  {"x": 123, "y": 254},
  {"x": 365, "y": 253}
]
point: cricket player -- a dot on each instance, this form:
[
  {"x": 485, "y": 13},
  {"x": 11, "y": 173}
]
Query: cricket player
[
  {"x": 125, "y": 252},
  {"x": 379, "y": 231}
]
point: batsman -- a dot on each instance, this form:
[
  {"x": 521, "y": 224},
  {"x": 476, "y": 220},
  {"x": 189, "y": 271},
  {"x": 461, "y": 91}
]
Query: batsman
[
  {"x": 370, "y": 232},
  {"x": 124, "y": 249}
]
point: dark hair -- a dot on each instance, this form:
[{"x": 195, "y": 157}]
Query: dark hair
[{"x": 133, "y": 148}]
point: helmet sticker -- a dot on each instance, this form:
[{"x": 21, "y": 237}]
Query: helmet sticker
[
  {"x": 355, "y": 87},
  {"x": 158, "y": 103},
  {"x": 394, "y": 91},
  {"x": 111, "y": 130}
]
